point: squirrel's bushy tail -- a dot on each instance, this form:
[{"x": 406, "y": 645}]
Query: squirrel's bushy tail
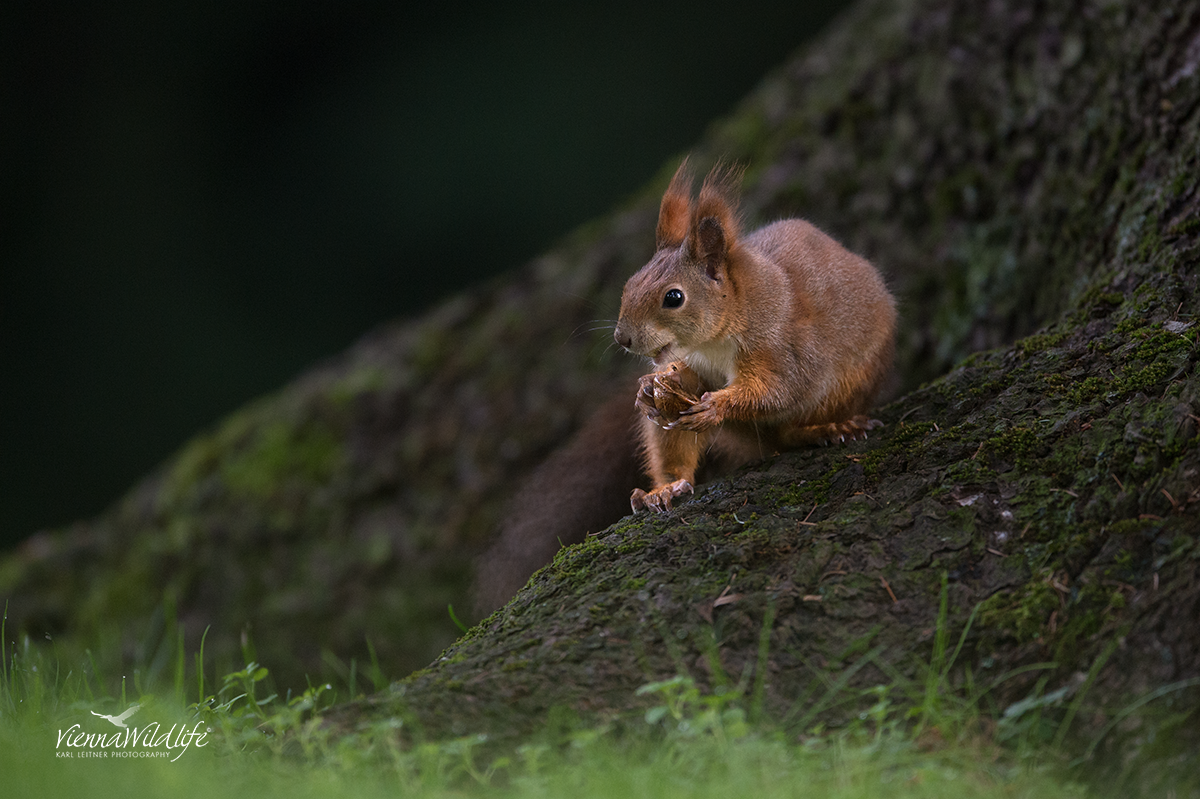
[{"x": 583, "y": 487}]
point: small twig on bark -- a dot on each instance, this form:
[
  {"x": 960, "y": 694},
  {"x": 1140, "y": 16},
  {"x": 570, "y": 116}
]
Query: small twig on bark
[{"x": 1171, "y": 499}]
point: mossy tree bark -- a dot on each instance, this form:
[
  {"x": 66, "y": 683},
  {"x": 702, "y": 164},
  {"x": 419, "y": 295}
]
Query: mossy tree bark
[
  {"x": 1023, "y": 173},
  {"x": 1014, "y": 168}
]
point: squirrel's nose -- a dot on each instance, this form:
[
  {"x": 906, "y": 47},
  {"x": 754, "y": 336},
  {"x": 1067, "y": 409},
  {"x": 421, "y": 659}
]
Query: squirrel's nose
[{"x": 622, "y": 338}]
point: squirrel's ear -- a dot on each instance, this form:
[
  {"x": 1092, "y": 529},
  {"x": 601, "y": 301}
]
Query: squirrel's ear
[
  {"x": 710, "y": 246},
  {"x": 675, "y": 210},
  {"x": 715, "y": 221}
]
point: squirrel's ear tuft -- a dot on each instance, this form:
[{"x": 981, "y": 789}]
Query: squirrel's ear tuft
[
  {"x": 719, "y": 199},
  {"x": 676, "y": 209},
  {"x": 715, "y": 223}
]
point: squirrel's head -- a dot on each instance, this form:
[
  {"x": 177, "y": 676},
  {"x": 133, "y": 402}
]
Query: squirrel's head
[{"x": 679, "y": 301}]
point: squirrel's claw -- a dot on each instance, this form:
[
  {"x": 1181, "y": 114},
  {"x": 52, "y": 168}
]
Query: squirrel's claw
[
  {"x": 659, "y": 500},
  {"x": 853, "y": 429},
  {"x": 644, "y": 401},
  {"x": 700, "y": 416}
]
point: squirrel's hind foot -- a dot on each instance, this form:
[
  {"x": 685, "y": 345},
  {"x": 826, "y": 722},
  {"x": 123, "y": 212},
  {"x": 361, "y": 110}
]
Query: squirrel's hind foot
[
  {"x": 659, "y": 500},
  {"x": 852, "y": 429}
]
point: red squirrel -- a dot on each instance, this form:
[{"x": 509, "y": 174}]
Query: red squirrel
[
  {"x": 785, "y": 336},
  {"x": 761, "y": 343}
]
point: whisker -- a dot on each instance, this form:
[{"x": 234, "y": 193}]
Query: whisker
[
  {"x": 607, "y": 351},
  {"x": 600, "y": 324},
  {"x": 590, "y": 302},
  {"x": 583, "y": 329}
]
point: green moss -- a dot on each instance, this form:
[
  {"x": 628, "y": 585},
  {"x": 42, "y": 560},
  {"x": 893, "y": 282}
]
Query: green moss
[
  {"x": 904, "y": 438},
  {"x": 1164, "y": 342},
  {"x": 201, "y": 457},
  {"x": 968, "y": 471},
  {"x": 281, "y": 454},
  {"x": 1089, "y": 607},
  {"x": 1144, "y": 378},
  {"x": 631, "y": 544},
  {"x": 1039, "y": 342},
  {"x": 1086, "y": 390},
  {"x": 1151, "y": 243},
  {"x": 624, "y": 527},
  {"x": 573, "y": 564},
  {"x": 1161, "y": 354},
  {"x": 360, "y": 381},
  {"x": 809, "y": 492},
  {"x": 1024, "y": 611},
  {"x": 1019, "y": 444},
  {"x": 1133, "y": 324},
  {"x": 1056, "y": 382}
]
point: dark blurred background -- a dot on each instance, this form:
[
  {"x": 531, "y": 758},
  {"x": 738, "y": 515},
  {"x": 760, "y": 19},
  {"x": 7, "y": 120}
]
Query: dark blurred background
[{"x": 198, "y": 200}]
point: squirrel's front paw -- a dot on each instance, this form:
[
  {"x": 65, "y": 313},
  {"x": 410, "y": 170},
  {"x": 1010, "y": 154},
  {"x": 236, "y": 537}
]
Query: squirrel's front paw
[
  {"x": 662, "y": 396},
  {"x": 644, "y": 402},
  {"x": 709, "y": 412},
  {"x": 659, "y": 500}
]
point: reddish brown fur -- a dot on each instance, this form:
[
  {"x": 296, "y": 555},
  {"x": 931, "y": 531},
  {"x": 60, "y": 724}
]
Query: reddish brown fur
[
  {"x": 675, "y": 210},
  {"x": 718, "y": 200},
  {"x": 792, "y": 334}
]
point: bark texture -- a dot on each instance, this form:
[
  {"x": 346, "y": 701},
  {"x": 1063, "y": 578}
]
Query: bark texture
[{"x": 1024, "y": 174}]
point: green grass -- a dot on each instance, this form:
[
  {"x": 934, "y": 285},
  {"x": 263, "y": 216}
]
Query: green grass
[
  {"x": 691, "y": 746},
  {"x": 914, "y": 740},
  {"x": 758, "y": 768}
]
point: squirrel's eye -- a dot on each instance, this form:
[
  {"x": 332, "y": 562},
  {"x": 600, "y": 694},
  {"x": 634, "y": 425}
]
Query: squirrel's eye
[{"x": 673, "y": 299}]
